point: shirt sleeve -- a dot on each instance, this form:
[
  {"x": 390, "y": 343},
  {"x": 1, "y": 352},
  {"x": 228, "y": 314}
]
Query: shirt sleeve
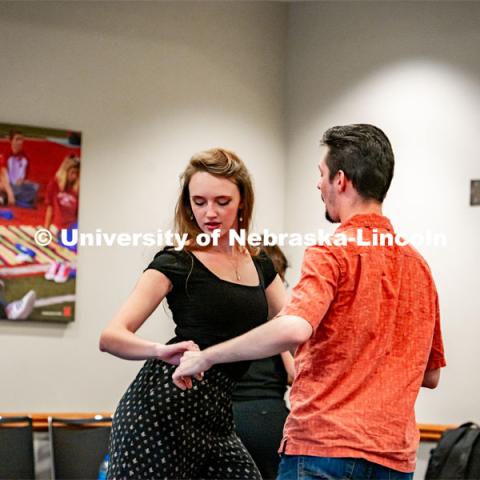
[
  {"x": 312, "y": 296},
  {"x": 437, "y": 354},
  {"x": 172, "y": 264},
  {"x": 268, "y": 270}
]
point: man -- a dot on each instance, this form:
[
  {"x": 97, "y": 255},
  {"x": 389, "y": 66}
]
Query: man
[
  {"x": 366, "y": 320},
  {"x": 25, "y": 192}
]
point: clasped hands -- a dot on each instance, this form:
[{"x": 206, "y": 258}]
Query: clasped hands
[{"x": 190, "y": 360}]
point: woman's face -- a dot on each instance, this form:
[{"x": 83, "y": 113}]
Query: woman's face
[
  {"x": 72, "y": 174},
  {"x": 215, "y": 202}
]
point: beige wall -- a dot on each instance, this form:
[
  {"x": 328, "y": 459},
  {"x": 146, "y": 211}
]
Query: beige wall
[
  {"x": 413, "y": 69},
  {"x": 148, "y": 84}
]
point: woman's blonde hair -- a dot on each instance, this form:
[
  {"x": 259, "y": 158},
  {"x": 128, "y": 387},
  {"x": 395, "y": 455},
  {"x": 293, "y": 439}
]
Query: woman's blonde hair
[
  {"x": 221, "y": 163},
  {"x": 71, "y": 161}
]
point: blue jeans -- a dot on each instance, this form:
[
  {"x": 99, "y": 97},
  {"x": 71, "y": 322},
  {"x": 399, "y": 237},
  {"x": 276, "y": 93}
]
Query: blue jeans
[
  {"x": 303, "y": 467},
  {"x": 25, "y": 194}
]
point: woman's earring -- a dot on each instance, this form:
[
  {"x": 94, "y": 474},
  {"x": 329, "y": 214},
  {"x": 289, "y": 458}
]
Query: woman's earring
[
  {"x": 191, "y": 217},
  {"x": 240, "y": 218}
]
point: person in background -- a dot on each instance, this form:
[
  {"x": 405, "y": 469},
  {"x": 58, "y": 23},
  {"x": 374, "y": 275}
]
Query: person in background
[
  {"x": 259, "y": 407},
  {"x": 6, "y": 193},
  {"x": 25, "y": 192},
  {"x": 62, "y": 210},
  {"x": 62, "y": 195},
  {"x": 18, "y": 309}
]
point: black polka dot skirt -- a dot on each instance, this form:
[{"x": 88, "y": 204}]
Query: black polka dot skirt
[{"x": 162, "y": 432}]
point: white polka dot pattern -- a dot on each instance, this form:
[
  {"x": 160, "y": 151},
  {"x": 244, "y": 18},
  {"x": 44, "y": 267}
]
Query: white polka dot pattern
[{"x": 162, "y": 432}]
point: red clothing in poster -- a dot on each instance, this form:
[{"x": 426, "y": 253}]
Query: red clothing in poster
[{"x": 64, "y": 205}]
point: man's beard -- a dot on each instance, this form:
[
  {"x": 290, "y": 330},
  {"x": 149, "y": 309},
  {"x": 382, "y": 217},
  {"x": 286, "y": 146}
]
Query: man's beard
[{"x": 328, "y": 217}]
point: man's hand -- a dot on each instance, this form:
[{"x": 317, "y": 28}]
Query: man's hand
[
  {"x": 192, "y": 364},
  {"x": 173, "y": 353}
]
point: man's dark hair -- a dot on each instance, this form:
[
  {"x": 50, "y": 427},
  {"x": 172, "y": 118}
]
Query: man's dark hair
[
  {"x": 364, "y": 153},
  {"x": 14, "y": 132}
]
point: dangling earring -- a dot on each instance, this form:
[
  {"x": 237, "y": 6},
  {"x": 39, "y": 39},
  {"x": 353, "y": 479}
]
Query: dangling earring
[
  {"x": 240, "y": 218},
  {"x": 191, "y": 216}
]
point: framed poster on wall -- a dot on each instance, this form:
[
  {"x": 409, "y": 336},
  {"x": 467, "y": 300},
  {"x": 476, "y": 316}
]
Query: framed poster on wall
[{"x": 39, "y": 196}]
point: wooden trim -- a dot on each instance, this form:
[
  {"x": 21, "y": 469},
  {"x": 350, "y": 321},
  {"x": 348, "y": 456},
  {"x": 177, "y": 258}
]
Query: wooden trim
[
  {"x": 432, "y": 433},
  {"x": 40, "y": 420},
  {"x": 428, "y": 432}
]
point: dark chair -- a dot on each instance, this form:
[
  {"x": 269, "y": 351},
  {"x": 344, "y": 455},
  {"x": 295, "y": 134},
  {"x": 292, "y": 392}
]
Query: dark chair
[
  {"x": 16, "y": 448},
  {"x": 78, "y": 446}
]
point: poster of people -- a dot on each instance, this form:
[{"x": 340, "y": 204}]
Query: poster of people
[{"x": 39, "y": 196}]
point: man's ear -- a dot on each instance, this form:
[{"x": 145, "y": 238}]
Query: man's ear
[{"x": 341, "y": 180}]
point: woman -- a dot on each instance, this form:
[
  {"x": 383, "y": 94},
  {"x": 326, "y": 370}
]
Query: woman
[
  {"x": 62, "y": 195},
  {"x": 62, "y": 210},
  {"x": 215, "y": 293},
  {"x": 259, "y": 408}
]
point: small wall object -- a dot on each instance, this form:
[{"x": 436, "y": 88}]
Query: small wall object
[{"x": 474, "y": 192}]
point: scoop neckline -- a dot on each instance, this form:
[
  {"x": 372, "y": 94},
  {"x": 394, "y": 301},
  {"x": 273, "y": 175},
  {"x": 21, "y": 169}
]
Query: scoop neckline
[{"x": 228, "y": 281}]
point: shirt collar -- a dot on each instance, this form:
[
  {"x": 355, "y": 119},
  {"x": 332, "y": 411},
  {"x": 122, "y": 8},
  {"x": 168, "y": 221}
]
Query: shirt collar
[
  {"x": 366, "y": 220},
  {"x": 18, "y": 155}
]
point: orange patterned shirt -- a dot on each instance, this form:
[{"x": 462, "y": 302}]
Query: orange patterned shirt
[{"x": 375, "y": 315}]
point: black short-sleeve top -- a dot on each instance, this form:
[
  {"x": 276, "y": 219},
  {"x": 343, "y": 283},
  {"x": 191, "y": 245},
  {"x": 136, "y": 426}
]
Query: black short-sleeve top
[{"x": 209, "y": 310}]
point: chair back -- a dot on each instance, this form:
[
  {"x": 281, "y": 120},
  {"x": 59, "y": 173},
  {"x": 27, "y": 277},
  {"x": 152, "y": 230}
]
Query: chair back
[
  {"x": 78, "y": 446},
  {"x": 17, "y": 459}
]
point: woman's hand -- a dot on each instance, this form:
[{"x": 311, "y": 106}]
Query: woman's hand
[
  {"x": 174, "y": 352},
  {"x": 193, "y": 363}
]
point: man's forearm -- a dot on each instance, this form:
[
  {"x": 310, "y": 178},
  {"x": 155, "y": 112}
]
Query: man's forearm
[{"x": 278, "y": 335}]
